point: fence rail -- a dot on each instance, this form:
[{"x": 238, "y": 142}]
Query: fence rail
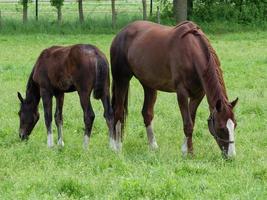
[{"x": 12, "y": 9}]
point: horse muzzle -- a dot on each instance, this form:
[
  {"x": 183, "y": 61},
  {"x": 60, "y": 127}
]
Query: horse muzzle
[{"x": 23, "y": 136}]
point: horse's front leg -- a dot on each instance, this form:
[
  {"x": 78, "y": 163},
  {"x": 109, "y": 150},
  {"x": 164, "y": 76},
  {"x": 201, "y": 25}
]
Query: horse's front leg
[
  {"x": 193, "y": 105},
  {"x": 182, "y": 98},
  {"x": 59, "y": 118},
  {"x": 88, "y": 116},
  {"x": 47, "y": 104}
]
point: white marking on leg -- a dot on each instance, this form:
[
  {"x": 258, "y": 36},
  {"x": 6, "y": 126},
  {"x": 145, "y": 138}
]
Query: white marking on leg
[
  {"x": 60, "y": 136},
  {"x": 50, "y": 141},
  {"x": 118, "y": 136},
  {"x": 231, "y": 148},
  {"x": 184, "y": 146},
  {"x": 112, "y": 144},
  {"x": 151, "y": 137},
  {"x": 85, "y": 141}
]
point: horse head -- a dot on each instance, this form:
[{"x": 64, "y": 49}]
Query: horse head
[
  {"x": 222, "y": 125},
  {"x": 28, "y": 116}
]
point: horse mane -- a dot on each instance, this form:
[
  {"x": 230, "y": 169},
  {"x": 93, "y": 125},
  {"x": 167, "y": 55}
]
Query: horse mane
[
  {"x": 32, "y": 89},
  {"x": 213, "y": 62}
]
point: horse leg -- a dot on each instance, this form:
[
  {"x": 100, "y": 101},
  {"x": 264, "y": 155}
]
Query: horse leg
[
  {"x": 193, "y": 105},
  {"x": 120, "y": 92},
  {"x": 47, "y": 104},
  {"x": 182, "y": 98},
  {"x": 59, "y": 118},
  {"x": 148, "y": 114},
  {"x": 108, "y": 115},
  {"x": 88, "y": 116}
]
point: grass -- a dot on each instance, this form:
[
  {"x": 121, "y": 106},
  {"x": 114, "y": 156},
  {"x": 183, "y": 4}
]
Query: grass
[
  {"x": 29, "y": 170},
  {"x": 98, "y": 19}
]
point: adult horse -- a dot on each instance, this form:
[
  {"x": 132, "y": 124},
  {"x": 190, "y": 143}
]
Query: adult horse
[
  {"x": 176, "y": 59},
  {"x": 58, "y": 70}
]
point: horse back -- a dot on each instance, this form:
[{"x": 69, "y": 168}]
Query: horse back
[
  {"x": 65, "y": 68},
  {"x": 161, "y": 57}
]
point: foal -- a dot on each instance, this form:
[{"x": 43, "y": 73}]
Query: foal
[{"x": 58, "y": 70}]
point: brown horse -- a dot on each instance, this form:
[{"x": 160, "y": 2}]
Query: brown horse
[
  {"x": 58, "y": 70},
  {"x": 172, "y": 59}
]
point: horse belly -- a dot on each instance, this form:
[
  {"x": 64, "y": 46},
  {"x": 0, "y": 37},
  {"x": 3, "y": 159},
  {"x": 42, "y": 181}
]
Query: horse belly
[
  {"x": 155, "y": 77},
  {"x": 165, "y": 86}
]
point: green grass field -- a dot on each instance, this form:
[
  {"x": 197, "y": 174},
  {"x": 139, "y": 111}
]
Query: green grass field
[{"x": 29, "y": 170}]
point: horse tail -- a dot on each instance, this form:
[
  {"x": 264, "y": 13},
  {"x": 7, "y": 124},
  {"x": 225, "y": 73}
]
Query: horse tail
[
  {"x": 116, "y": 90},
  {"x": 121, "y": 75},
  {"x": 102, "y": 76}
]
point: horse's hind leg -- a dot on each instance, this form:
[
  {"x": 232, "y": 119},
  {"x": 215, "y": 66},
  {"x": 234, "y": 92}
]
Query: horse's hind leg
[
  {"x": 47, "y": 103},
  {"x": 59, "y": 118},
  {"x": 88, "y": 115},
  {"x": 148, "y": 114},
  {"x": 108, "y": 114},
  {"x": 119, "y": 103}
]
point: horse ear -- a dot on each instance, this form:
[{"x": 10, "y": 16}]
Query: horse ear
[
  {"x": 233, "y": 103},
  {"x": 219, "y": 105},
  {"x": 20, "y": 97}
]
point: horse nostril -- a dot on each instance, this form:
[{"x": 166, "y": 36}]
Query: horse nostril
[{"x": 23, "y": 136}]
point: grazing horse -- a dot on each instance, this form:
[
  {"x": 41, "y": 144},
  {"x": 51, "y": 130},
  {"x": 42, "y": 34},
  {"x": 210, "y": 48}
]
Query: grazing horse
[
  {"x": 58, "y": 70},
  {"x": 176, "y": 59}
]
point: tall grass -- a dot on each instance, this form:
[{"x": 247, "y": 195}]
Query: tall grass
[
  {"x": 68, "y": 26},
  {"x": 29, "y": 170}
]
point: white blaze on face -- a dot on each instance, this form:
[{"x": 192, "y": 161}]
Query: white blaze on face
[{"x": 231, "y": 148}]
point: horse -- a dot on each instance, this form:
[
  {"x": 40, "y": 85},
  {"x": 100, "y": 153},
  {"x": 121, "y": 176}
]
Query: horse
[
  {"x": 176, "y": 59},
  {"x": 58, "y": 70}
]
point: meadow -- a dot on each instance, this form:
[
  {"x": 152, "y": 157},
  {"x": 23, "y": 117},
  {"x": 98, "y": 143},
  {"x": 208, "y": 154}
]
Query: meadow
[{"x": 29, "y": 170}]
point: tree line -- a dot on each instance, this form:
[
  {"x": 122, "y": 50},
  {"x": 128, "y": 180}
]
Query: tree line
[
  {"x": 180, "y": 9},
  {"x": 205, "y": 10}
]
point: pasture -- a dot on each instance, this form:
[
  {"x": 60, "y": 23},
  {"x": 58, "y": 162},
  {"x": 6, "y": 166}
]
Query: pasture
[{"x": 29, "y": 170}]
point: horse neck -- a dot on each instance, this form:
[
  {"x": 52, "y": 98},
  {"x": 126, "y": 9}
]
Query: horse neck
[
  {"x": 210, "y": 73},
  {"x": 213, "y": 83},
  {"x": 32, "y": 92}
]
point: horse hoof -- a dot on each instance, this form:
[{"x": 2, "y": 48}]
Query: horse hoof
[
  {"x": 154, "y": 146},
  {"x": 187, "y": 153},
  {"x": 60, "y": 143},
  {"x": 112, "y": 144},
  {"x": 115, "y": 146}
]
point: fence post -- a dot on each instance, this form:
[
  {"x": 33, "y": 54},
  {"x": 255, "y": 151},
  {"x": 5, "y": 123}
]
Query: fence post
[
  {"x": 144, "y": 10},
  {"x": 151, "y": 8},
  {"x": 113, "y": 13},
  {"x": 158, "y": 14},
  {"x": 36, "y": 10}
]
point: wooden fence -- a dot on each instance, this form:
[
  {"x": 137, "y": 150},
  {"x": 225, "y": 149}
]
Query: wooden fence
[{"x": 11, "y": 9}]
